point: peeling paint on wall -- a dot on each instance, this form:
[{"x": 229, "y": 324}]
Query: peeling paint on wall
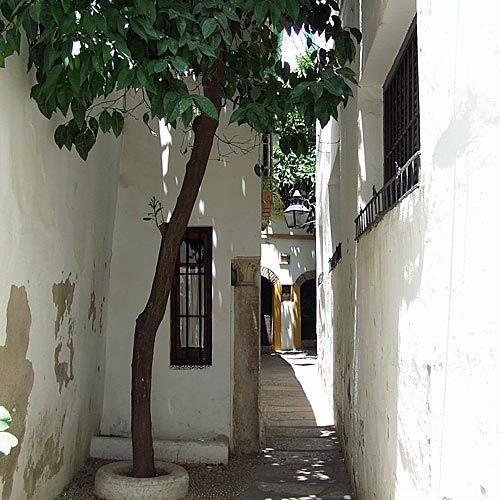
[
  {"x": 50, "y": 454},
  {"x": 62, "y": 295},
  {"x": 16, "y": 374}
]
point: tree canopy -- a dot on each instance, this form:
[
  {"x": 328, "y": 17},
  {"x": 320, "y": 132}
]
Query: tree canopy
[{"x": 86, "y": 55}]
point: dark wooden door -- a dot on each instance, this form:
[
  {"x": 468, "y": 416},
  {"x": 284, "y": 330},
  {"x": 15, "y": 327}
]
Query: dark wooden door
[
  {"x": 266, "y": 312},
  {"x": 308, "y": 310}
]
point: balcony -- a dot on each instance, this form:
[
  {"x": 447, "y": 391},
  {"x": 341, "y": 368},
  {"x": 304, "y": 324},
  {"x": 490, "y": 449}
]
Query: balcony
[{"x": 398, "y": 187}]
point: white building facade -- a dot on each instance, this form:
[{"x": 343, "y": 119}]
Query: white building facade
[
  {"x": 288, "y": 265},
  {"x": 408, "y": 341}
]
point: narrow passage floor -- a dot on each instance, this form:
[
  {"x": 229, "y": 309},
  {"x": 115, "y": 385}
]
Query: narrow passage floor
[{"x": 301, "y": 458}]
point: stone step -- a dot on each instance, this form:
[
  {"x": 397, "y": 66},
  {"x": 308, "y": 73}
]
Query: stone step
[
  {"x": 291, "y": 431},
  {"x": 290, "y": 415},
  {"x": 303, "y": 443},
  {"x": 278, "y": 408},
  {"x": 290, "y": 423},
  {"x": 283, "y": 388}
]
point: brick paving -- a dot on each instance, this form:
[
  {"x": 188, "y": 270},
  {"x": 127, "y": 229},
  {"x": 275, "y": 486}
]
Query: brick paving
[{"x": 302, "y": 457}]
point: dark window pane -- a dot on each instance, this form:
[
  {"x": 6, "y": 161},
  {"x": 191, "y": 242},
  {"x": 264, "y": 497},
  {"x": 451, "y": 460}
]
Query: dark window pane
[{"x": 401, "y": 108}]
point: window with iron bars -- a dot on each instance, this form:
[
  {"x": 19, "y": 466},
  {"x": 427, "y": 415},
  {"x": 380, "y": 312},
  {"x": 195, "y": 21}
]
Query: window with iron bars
[
  {"x": 191, "y": 300},
  {"x": 401, "y": 108},
  {"x": 401, "y": 136}
]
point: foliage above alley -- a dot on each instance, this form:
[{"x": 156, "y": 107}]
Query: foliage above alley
[
  {"x": 294, "y": 157},
  {"x": 86, "y": 55}
]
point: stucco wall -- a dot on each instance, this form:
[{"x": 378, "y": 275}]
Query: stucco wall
[
  {"x": 187, "y": 403},
  {"x": 408, "y": 328},
  {"x": 460, "y": 271},
  {"x": 302, "y": 254},
  {"x": 55, "y": 248}
]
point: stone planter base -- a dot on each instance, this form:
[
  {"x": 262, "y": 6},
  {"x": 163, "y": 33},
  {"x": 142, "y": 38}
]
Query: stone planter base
[{"x": 112, "y": 482}]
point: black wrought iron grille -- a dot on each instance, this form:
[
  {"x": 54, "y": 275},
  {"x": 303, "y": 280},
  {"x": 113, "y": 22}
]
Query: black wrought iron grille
[
  {"x": 401, "y": 108},
  {"x": 400, "y": 185},
  {"x": 191, "y": 300}
]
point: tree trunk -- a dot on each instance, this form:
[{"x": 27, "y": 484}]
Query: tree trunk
[{"x": 149, "y": 320}]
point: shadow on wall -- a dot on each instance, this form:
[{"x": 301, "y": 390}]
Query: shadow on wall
[
  {"x": 226, "y": 183},
  {"x": 384, "y": 276}
]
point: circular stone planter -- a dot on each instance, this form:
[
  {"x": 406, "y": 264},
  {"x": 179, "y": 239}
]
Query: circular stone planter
[{"x": 113, "y": 482}]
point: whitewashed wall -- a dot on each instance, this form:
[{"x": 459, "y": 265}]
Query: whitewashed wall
[
  {"x": 302, "y": 254},
  {"x": 55, "y": 247},
  {"x": 407, "y": 326},
  {"x": 187, "y": 403}
]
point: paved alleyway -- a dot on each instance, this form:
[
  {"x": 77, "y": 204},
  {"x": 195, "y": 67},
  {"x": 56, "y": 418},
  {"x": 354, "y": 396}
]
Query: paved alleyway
[{"x": 302, "y": 458}]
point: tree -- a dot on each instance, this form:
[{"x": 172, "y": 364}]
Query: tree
[
  {"x": 186, "y": 59},
  {"x": 294, "y": 166}
]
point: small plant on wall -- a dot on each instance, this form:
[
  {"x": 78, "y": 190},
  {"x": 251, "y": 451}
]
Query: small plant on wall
[{"x": 7, "y": 440}]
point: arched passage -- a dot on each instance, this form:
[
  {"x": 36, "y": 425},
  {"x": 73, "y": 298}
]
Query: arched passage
[
  {"x": 304, "y": 309},
  {"x": 271, "y": 291}
]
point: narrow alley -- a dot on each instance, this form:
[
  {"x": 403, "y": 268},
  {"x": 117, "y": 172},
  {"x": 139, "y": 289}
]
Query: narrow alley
[{"x": 302, "y": 456}]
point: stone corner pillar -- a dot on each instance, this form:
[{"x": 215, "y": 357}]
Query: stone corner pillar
[{"x": 246, "y": 425}]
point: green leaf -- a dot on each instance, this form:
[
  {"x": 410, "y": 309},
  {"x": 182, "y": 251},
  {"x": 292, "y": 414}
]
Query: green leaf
[
  {"x": 298, "y": 90},
  {"x": 121, "y": 45},
  {"x": 335, "y": 86},
  {"x": 179, "y": 64},
  {"x": 117, "y": 122},
  {"x": 105, "y": 121},
  {"x": 145, "y": 80},
  {"x": 84, "y": 142},
  {"x": 60, "y": 138},
  {"x": 160, "y": 66},
  {"x": 356, "y": 34},
  {"x": 125, "y": 78},
  {"x": 238, "y": 116},
  {"x": 208, "y": 27},
  {"x": 317, "y": 89},
  {"x": 184, "y": 104},
  {"x": 187, "y": 116},
  {"x": 260, "y": 12},
  {"x": 78, "y": 112},
  {"x": 207, "y": 50},
  {"x": 181, "y": 25},
  {"x": 206, "y": 106},
  {"x": 170, "y": 100},
  {"x": 294, "y": 8},
  {"x": 94, "y": 125}
]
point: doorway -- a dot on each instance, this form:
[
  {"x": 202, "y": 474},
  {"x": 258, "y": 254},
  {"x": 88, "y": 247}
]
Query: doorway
[
  {"x": 266, "y": 308},
  {"x": 308, "y": 313}
]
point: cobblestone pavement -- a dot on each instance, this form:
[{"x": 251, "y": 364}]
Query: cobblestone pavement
[{"x": 302, "y": 457}]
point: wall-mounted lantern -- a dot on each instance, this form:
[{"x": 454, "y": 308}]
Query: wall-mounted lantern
[{"x": 297, "y": 213}]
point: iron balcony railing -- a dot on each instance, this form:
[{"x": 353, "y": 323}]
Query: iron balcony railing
[{"x": 393, "y": 191}]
